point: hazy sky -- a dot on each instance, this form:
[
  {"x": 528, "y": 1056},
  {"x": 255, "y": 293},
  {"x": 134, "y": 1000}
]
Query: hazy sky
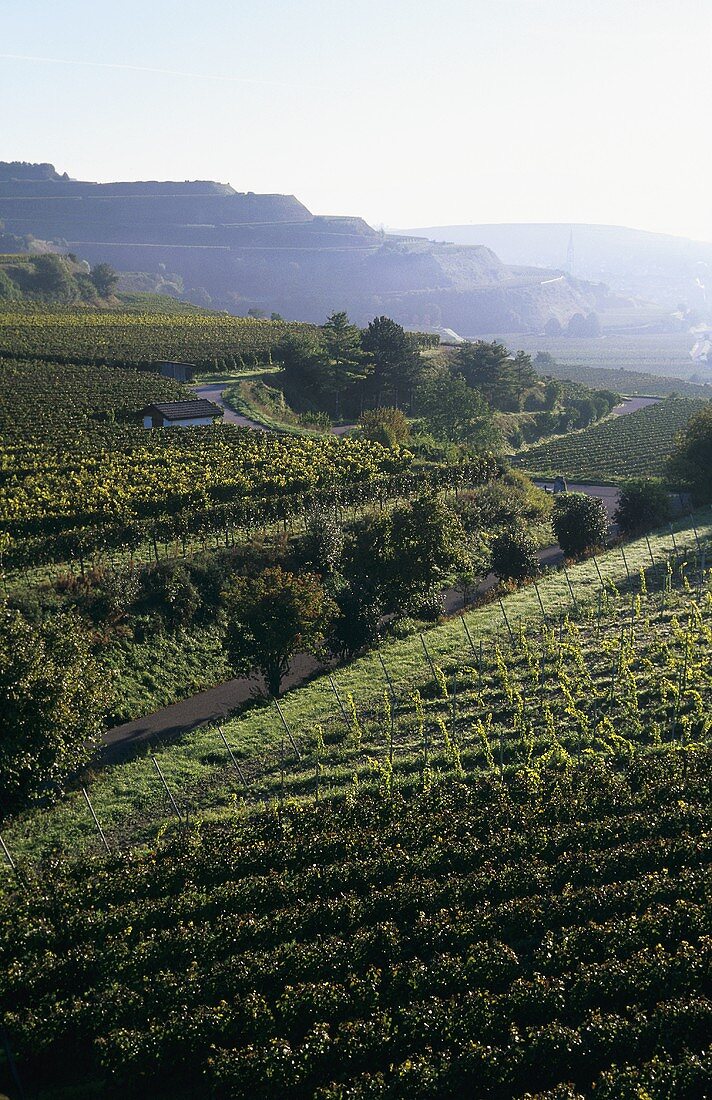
[{"x": 408, "y": 113}]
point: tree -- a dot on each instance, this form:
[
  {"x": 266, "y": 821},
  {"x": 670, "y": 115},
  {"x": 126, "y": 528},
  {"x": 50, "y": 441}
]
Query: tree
[
  {"x": 514, "y": 555},
  {"x": 386, "y": 426},
  {"x": 642, "y": 505},
  {"x": 271, "y": 617},
  {"x": 104, "y": 279},
  {"x": 580, "y": 522},
  {"x": 691, "y": 460},
  {"x": 322, "y": 544},
  {"x": 53, "y": 699},
  {"x": 51, "y": 278},
  {"x": 489, "y": 369},
  {"x": 427, "y": 542},
  {"x": 348, "y": 363},
  {"x": 584, "y": 325},
  {"x": 396, "y": 358},
  {"x": 304, "y": 360},
  {"x": 357, "y": 625},
  {"x": 456, "y": 413}
]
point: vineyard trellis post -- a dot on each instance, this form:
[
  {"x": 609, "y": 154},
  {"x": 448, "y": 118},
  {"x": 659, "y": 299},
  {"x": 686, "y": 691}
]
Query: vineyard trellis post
[
  {"x": 506, "y": 620},
  {"x": 166, "y": 788},
  {"x": 95, "y": 820},
  {"x": 429, "y": 658},
  {"x": 571, "y": 590},
  {"x": 469, "y": 636},
  {"x": 10, "y": 860},
  {"x": 541, "y": 602},
  {"x": 625, "y": 562},
  {"x": 233, "y": 759},
  {"x": 288, "y": 731},
  {"x": 344, "y": 715},
  {"x": 389, "y": 682}
]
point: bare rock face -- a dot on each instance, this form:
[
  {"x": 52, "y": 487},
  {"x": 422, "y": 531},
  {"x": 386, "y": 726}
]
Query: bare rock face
[{"x": 238, "y": 250}]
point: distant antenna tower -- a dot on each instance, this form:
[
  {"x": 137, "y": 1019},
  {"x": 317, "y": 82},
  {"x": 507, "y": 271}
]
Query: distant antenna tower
[{"x": 570, "y": 254}]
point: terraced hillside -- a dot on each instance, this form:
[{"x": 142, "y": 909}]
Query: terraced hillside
[
  {"x": 637, "y": 445},
  {"x": 245, "y": 250}
]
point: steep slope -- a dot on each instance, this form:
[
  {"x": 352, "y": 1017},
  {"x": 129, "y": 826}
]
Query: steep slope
[
  {"x": 243, "y": 250},
  {"x": 656, "y": 266}
]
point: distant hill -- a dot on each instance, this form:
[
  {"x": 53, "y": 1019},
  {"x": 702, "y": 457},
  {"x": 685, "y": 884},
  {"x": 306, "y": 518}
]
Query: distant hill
[
  {"x": 656, "y": 266},
  {"x": 239, "y": 250}
]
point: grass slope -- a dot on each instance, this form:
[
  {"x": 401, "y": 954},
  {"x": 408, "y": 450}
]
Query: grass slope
[
  {"x": 132, "y": 805},
  {"x": 636, "y": 445}
]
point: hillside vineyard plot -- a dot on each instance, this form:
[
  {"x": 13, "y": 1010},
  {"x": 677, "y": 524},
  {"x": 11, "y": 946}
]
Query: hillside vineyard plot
[
  {"x": 209, "y": 340},
  {"x": 627, "y": 671},
  {"x": 663, "y": 354},
  {"x": 637, "y": 445},
  {"x": 543, "y": 935}
]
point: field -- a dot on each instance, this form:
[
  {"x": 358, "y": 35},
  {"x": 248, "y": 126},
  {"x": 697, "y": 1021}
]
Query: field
[
  {"x": 631, "y": 382},
  {"x": 665, "y": 355},
  {"x": 491, "y": 880},
  {"x": 212, "y": 341},
  {"x": 79, "y": 477},
  {"x": 636, "y": 445}
]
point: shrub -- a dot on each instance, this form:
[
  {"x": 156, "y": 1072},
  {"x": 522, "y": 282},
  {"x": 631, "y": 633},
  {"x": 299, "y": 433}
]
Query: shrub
[
  {"x": 514, "y": 556},
  {"x": 386, "y": 426},
  {"x": 643, "y": 504},
  {"x": 52, "y": 703},
  {"x": 580, "y": 522}
]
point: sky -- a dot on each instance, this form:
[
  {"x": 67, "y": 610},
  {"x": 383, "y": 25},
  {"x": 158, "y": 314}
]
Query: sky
[{"x": 408, "y": 113}]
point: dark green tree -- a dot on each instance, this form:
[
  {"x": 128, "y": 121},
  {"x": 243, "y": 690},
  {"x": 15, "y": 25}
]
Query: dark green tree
[
  {"x": 357, "y": 624},
  {"x": 642, "y": 505},
  {"x": 580, "y": 523},
  {"x": 489, "y": 369},
  {"x": 270, "y": 618},
  {"x": 104, "y": 279},
  {"x": 397, "y": 363},
  {"x": 305, "y": 361},
  {"x": 427, "y": 543},
  {"x": 348, "y": 364},
  {"x": 457, "y": 413},
  {"x": 52, "y": 278},
  {"x": 322, "y": 545},
  {"x": 691, "y": 461},
  {"x": 53, "y": 699}
]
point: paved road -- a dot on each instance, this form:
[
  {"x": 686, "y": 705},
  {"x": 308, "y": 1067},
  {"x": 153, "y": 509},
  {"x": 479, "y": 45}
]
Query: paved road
[
  {"x": 609, "y": 494},
  {"x": 633, "y": 404},
  {"x": 214, "y": 393}
]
